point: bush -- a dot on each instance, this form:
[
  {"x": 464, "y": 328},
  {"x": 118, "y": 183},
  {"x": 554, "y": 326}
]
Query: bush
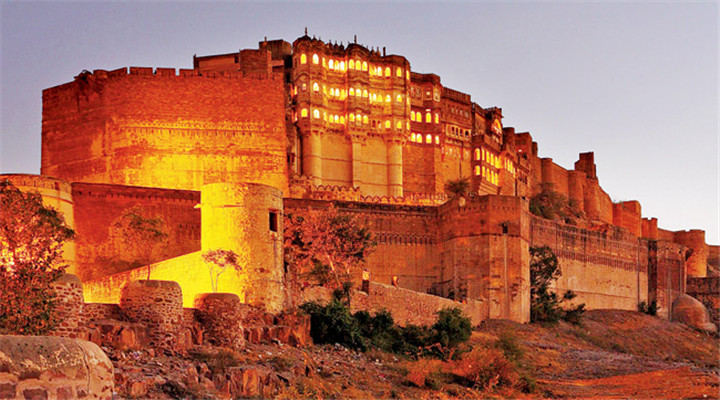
[
  {"x": 649, "y": 309},
  {"x": 544, "y": 303},
  {"x": 485, "y": 369},
  {"x": 452, "y": 327},
  {"x": 333, "y": 323}
]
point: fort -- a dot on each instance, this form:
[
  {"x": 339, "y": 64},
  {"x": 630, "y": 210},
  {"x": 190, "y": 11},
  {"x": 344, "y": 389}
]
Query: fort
[{"x": 221, "y": 151}]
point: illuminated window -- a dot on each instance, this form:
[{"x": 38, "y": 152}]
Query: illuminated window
[
  {"x": 428, "y": 138},
  {"x": 359, "y": 118},
  {"x": 398, "y": 72},
  {"x": 357, "y": 65},
  {"x": 387, "y": 98},
  {"x": 477, "y": 170},
  {"x": 437, "y": 139},
  {"x": 316, "y": 88},
  {"x": 316, "y": 113},
  {"x": 437, "y": 118},
  {"x": 351, "y": 64},
  {"x": 428, "y": 118},
  {"x": 364, "y": 93},
  {"x": 398, "y": 125},
  {"x": 364, "y": 66},
  {"x": 412, "y": 115},
  {"x": 316, "y": 59},
  {"x": 407, "y": 125},
  {"x": 304, "y": 87},
  {"x": 342, "y": 120},
  {"x": 303, "y": 59},
  {"x": 399, "y": 98},
  {"x": 324, "y": 116},
  {"x": 365, "y": 119},
  {"x": 324, "y": 64},
  {"x": 407, "y": 74},
  {"x": 483, "y": 171},
  {"x": 387, "y": 124},
  {"x": 351, "y": 117},
  {"x": 303, "y": 112},
  {"x": 483, "y": 154},
  {"x": 342, "y": 65},
  {"x": 337, "y": 119},
  {"x": 331, "y": 64},
  {"x": 412, "y": 137},
  {"x": 387, "y": 71},
  {"x": 477, "y": 154},
  {"x": 352, "y": 92}
]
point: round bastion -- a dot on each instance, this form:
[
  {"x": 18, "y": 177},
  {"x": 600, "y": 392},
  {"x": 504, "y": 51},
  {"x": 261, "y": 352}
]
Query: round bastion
[
  {"x": 220, "y": 315},
  {"x": 159, "y": 306},
  {"x": 247, "y": 218}
]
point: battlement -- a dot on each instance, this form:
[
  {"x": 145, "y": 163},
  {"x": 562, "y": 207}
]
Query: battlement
[
  {"x": 38, "y": 182},
  {"x": 109, "y": 191}
]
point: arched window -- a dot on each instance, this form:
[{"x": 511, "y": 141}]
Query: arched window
[
  {"x": 331, "y": 64},
  {"x": 477, "y": 154},
  {"x": 379, "y": 71},
  {"x": 351, "y": 117},
  {"x": 407, "y": 75},
  {"x": 428, "y": 138},
  {"x": 412, "y": 137},
  {"x": 352, "y": 92},
  {"x": 399, "y": 98},
  {"x": 477, "y": 170},
  {"x": 364, "y": 92},
  {"x": 428, "y": 117},
  {"x": 304, "y": 87},
  {"x": 398, "y": 72},
  {"x": 387, "y": 71},
  {"x": 358, "y": 92},
  {"x": 303, "y": 112},
  {"x": 357, "y": 65},
  {"x": 316, "y": 87},
  {"x": 342, "y": 120},
  {"x": 337, "y": 119},
  {"x": 342, "y": 65},
  {"x": 316, "y": 113},
  {"x": 359, "y": 118},
  {"x": 364, "y": 66},
  {"x": 398, "y": 125},
  {"x": 387, "y": 98},
  {"x": 412, "y": 115},
  {"x": 365, "y": 119},
  {"x": 437, "y": 118},
  {"x": 316, "y": 59},
  {"x": 324, "y": 64},
  {"x": 351, "y": 64},
  {"x": 437, "y": 139},
  {"x": 374, "y": 97},
  {"x": 303, "y": 59},
  {"x": 387, "y": 124}
]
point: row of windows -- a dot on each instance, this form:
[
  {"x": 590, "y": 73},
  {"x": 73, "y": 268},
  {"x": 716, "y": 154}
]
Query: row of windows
[
  {"x": 487, "y": 174},
  {"x": 357, "y": 118},
  {"x": 417, "y": 117},
  {"x": 418, "y": 138},
  {"x": 456, "y": 131},
  {"x": 339, "y": 65},
  {"x": 490, "y": 158},
  {"x": 355, "y": 92},
  {"x": 510, "y": 166}
]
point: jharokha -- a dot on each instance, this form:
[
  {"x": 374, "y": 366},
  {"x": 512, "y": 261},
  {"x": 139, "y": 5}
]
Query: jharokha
[{"x": 222, "y": 151}]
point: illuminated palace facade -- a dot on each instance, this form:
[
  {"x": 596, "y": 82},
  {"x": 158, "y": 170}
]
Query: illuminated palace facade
[{"x": 221, "y": 150}]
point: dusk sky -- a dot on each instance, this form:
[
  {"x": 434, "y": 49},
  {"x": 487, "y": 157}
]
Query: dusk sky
[{"x": 637, "y": 83}]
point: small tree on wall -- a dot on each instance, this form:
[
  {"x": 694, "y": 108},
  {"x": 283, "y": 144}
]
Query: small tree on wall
[
  {"x": 138, "y": 237},
  {"x": 458, "y": 187},
  {"x": 545, "y": 305},
  {"x": 326, "y": 246},
  {"x": 219, "y": 261},
  {"x": 31, "y": 239}
]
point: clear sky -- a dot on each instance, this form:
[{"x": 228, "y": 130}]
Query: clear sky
[{"x": 637, "y": 83}]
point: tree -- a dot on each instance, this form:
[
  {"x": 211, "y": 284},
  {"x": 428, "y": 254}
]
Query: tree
[
  {"x": 550, "y": 204},
  {"x": 31, "y": 239},
  {"x": 140, "y": 238},
  {"x": 219, "y": 260},
  {"x": 458, "y": 187},
  {"x": 326, "y": 246},
  {"x": 545, "y": 306}
]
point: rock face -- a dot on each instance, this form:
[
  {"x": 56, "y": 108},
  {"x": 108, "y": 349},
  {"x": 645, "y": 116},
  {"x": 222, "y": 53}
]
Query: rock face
[
  {"x": 157, "y": 305},
  {"x": 220, "y": 315},
  {"x": 44, "y": 367},
  {"x": 692, "y": 312}
]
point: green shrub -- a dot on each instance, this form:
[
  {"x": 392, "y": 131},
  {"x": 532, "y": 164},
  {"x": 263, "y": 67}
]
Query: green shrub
[
  {"x": 508, "y": 343},
  {"x": 333, "y": 323},
  {"x": 649, "y": 309},
  {"x": 545, "y": 306},
  {"x": 452, "y": 327}
]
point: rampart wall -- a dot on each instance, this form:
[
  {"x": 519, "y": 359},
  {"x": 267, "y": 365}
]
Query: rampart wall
[
  {"x": 156, "y": 128},
  {"x": 606, "y": 269},
  {"x": 666, "y": 273},
  {"x": 98, "y": 205},
  {"x": 707, "y": 290}
]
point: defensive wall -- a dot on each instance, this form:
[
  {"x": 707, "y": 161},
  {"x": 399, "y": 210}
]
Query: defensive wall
[
  {"x": 707, "y": 290},
  {"x": 157, "y": 128}
]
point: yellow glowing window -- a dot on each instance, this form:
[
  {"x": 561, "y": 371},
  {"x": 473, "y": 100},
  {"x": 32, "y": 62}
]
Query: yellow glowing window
[
  {"x": 387, "y": 98},
  {"x": 303, "y": 112},
  {"x": 398, "y": 72},
  {"x": 412, "y": 137},
  {"x": 337, "y": 119},
  {"x": 387, "y": 71},
  {"x": 324, "y": 64},
  {"x": 364, "y": 93},
  {"x": 412, "y": 115},
  {"x": 407, "y": 74},
  {"x": 325, "y": 117},
  {"x": 352, "y": 92},
  {"x": 477, "y": 170},
  {"x": 357, "y": 66},
  {"x": 304, "y": 87},
  {"x": 351, "y": 117},
  {"x": 365, "y": 119},
  {"x": 303, "y": 59},
  {"x": 342, "y": 120},
  {"x": 342, "y": 94},
  {"x": 359, "y": 118},
  {"x": 387, "y": 124},
  {"x": 342, "y": 65},
  {"x": 477, "y": 154},
  {"x": 316, "y": 113},
  {"x": 437, "y": 118},
  {"x": 399, "y": 99},
  {"x": 398, "y": 125},
  {"x": 351, "y": 64},
  {"x": 316, "y": 59},
  {"x": 364, "y": 66},
  {"x": 316, "y": 87},
  {"x": 407, "y": 124},
  {"x": 428, "y": 118},
  {"x": 428, "y": 138},
  {"x": 437, "y": 139},
  {"x": 483, "y": 171},
  {"x": 331, "y": 64}
]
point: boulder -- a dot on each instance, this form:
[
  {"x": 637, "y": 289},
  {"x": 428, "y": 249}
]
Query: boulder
[{"x": 692, "y": 312}]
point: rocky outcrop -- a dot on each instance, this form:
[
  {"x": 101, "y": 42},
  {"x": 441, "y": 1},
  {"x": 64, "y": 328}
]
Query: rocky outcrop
[
  {"x": 692, "y": 312},
  {"x": 45, "y": 367}
]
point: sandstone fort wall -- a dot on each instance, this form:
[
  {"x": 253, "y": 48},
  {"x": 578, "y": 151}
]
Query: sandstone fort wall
[{"x": 158, "y": 129}]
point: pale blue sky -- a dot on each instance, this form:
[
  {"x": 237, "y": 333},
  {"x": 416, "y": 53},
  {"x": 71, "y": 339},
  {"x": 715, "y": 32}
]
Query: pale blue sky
[{"x": 637, "y": 83}]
